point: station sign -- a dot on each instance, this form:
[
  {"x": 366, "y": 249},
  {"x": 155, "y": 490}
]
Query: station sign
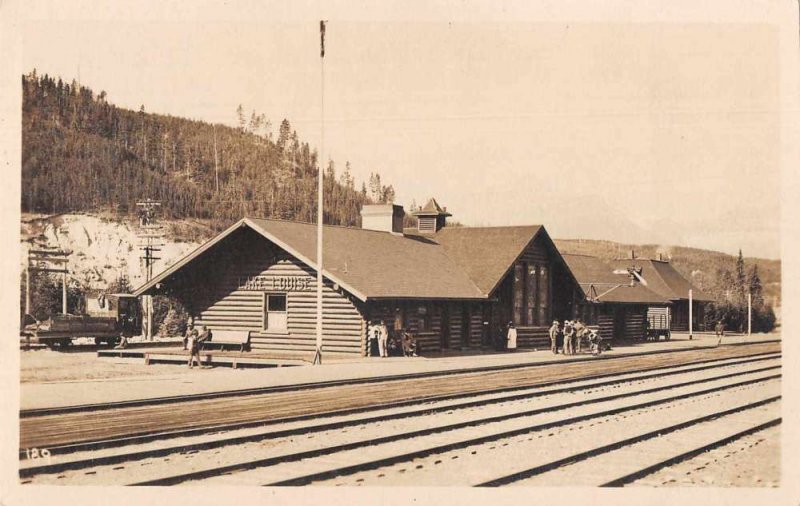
[{"x": 277, "y": 283}]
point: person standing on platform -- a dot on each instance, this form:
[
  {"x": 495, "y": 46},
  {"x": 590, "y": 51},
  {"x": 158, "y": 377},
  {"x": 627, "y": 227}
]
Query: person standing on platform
[
  {"x": 580, "y": 333},
  {"x": 195, "y": 344},
  {"x": 554, "y": 330},
  {"x": 569, "y": 336},
  {"x": 719, "y": 330},
  {"x": 500, "y": 338},
  {"x": 511, "y": 337},
  {"x": 372, "y": 340},
  {"x": 191, "y": 332},
  {"x": 383, "y": 339}
]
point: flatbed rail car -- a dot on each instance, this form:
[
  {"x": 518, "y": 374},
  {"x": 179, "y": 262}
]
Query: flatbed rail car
[{"x": 108, "y": 318}]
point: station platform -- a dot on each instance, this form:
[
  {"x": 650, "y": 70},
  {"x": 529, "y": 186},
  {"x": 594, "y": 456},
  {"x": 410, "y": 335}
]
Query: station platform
[{"x": 288, "y": 371}]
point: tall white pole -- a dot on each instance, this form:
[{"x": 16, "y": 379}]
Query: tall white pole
[
  {"x": 318, "y": 356},
  {"x": 64, "y": 290},
  {"x": 690, "y": 315},
  {"x": 749, "y": 313}
]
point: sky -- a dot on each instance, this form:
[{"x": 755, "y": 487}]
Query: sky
[{"x": 645, "y": 127}]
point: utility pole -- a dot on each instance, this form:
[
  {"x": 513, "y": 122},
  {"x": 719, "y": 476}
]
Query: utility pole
[
  {"x": 690, "y": 315},
  {"x": 749, "y": 313},
  {"x": 318, "y": 355},
  {"x": 47, "y": 260},
  {"x": 151, "y": 234}
]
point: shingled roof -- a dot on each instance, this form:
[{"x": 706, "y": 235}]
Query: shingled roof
[
  {"x": 600, "y": 284},
  {"x": 485, "y": 253},
  {"x": 375, "y": 264},
  {"x": 663, "y": 279},
  {"x": 457, "y": 263},
  {"x": 366, "y": 263}
]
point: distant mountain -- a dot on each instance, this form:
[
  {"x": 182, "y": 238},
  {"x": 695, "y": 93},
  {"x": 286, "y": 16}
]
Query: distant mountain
[
  {"x": 81, "y": 153},
  {"x": 700, "y": 266}
]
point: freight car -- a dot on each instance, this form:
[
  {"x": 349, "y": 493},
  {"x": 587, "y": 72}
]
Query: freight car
[{"x": 108, "y": 317}]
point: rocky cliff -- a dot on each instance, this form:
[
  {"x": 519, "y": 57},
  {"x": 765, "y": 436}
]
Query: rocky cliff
[{"x": 102, "y": 248}]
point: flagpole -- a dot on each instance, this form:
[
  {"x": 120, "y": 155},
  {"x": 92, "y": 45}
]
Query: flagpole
[{"x": 318, "y": 355}]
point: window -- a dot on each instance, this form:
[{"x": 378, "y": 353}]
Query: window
[
  {"x": 544, "y": 294},
  {"x": 274, "y": 311},
  {"x": 423, "y": 319},
  {"x": 519, "y": 293},
  {"x": 530, "y": 296}
]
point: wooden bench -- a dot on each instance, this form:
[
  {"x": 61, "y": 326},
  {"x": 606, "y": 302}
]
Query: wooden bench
[{"x": 222, "y": 338}]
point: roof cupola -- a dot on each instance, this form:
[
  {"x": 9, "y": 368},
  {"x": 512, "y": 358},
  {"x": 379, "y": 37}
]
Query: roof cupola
[{"x": 431, "y": 218}]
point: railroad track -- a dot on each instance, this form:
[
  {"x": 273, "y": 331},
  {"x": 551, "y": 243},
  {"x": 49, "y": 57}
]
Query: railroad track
[
  {"x": 74, "y": 430},
  {"x": 439, "y": 426},
  {"x": 747, "y": 350}
]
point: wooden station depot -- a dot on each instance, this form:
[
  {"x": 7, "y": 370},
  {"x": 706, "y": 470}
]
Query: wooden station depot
[{"x": 453, "y": 288}]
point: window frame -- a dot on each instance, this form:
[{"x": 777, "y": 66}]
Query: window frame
[{"x": 265, "y": 311}]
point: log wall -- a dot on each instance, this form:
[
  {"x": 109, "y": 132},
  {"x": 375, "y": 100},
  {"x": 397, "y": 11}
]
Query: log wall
[
  {"x": 224, "y": 304},
  {"x": 466, "y": 317}
]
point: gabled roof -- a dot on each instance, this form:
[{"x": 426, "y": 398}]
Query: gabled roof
[
  {"x": 592, "y": 270},
  {"x": 600, "y": 284},
  {"x": 376, "y": 264},
  {"x": 432, "y": 208},
  {"x": 485, "y": 253},
  {"x": 631, "y": 294},
  {"x": 366, "y": 263},
  {"x": 457, "y": 263},
  {"x": 663, "y": 279}
]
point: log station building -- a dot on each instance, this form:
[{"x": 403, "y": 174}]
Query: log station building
[
  {"x": 618, "y": 303},
  {"x": 623, "y": 296},
  {"x": 663, "y": 279},
  {"x": 453, "y": 287}
]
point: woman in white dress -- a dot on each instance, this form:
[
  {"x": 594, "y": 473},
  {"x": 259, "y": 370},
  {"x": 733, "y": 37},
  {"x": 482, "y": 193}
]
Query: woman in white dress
[{"x": 511, "y": 337}]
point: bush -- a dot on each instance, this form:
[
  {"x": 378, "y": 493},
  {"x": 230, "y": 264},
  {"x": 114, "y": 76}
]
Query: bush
[
  {"x": 169, "y": 316},
  {"x": 46, "y": 296},
  {"x": 735, "y": 318}
]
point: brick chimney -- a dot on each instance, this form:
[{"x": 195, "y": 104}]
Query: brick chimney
[
  {"x": 383, "y": 218},
  {"x": 431, "y": 218}
]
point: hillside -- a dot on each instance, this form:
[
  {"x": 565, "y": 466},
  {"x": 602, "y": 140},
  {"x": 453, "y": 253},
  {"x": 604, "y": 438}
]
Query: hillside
[
  {"x": 82, "y": 153},
  {"x": 701, "y": 266}
]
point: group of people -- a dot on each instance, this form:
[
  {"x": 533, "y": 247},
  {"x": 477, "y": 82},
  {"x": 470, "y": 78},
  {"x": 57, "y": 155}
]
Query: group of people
[
  {"x": 380, "y": 341},
  {"x": 193, "y": 342},
  {"x": 570, "y": 338}
]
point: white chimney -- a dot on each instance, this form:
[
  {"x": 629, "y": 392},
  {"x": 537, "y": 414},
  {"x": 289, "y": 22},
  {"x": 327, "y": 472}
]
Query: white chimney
[{"x": 383, "y": 218}]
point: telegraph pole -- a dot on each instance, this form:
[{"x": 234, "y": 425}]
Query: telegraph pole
[
  {"x": 749, "y": 314},
  {"x": 151, "y": 234},
  {"x": 318, "y": 354}
]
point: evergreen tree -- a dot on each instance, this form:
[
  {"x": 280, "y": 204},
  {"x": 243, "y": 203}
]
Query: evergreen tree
[
  {"x": 240, "y": 117},
  {"x": 387, "y": 195},
  {"x": 81, "y": 153},
  {"x": 755, "y": 288},
  {"x": 375, "y": 188},
  {"x": 284, "y": 132},
  {"x": 741, "y": 277}
]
